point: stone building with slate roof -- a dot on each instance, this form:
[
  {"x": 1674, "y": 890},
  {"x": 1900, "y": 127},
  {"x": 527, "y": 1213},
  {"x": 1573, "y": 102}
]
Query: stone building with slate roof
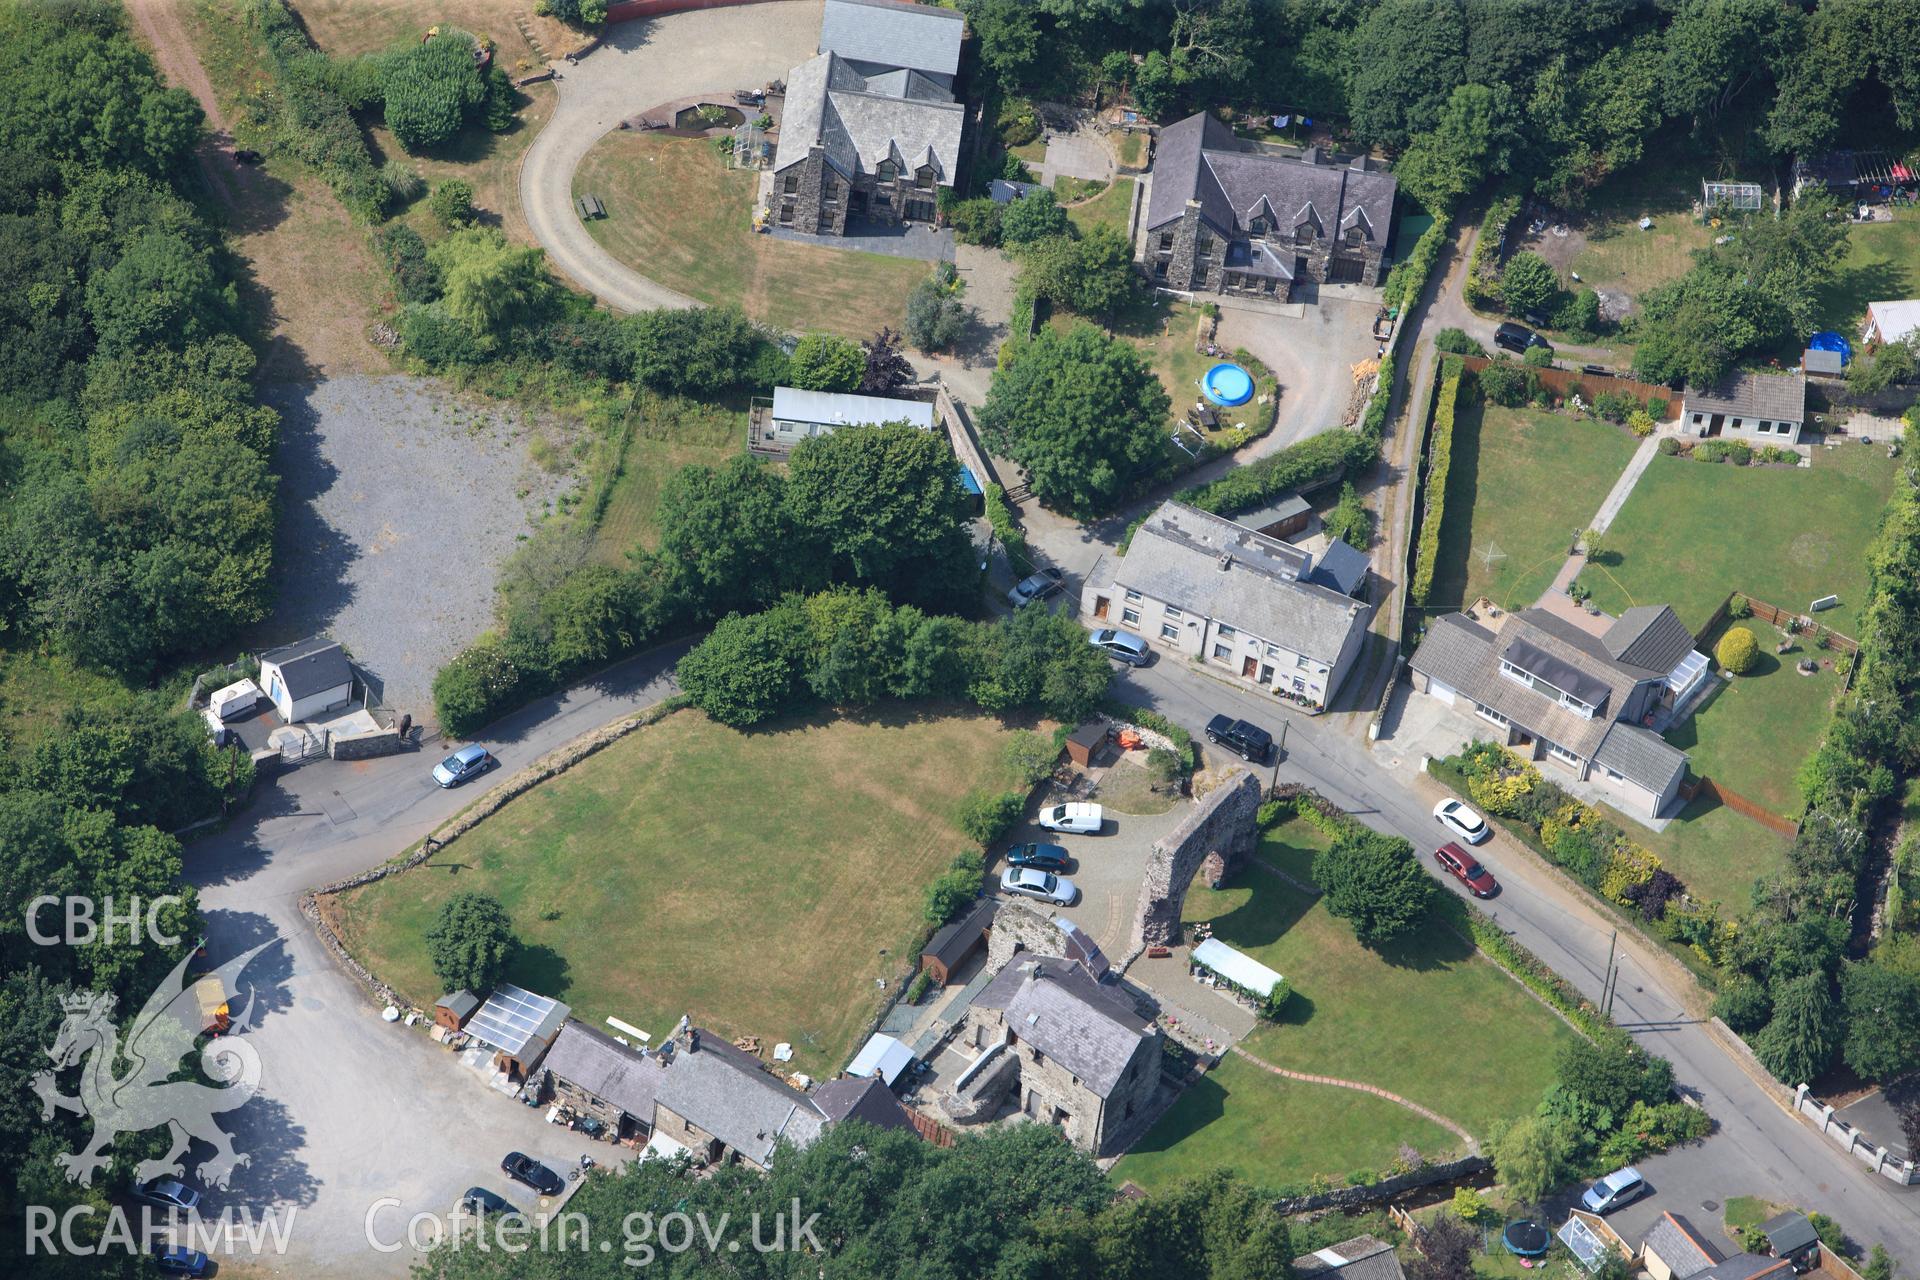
[
  {"x": 1222, "y": 218},
  {"x": 722, "y": 1104},
  {"x": 1249, "y": 605},
  {"x": 1764, "y": 408},
  {"x": 1361, "y": 1258},
  {"x": 1554, "y": 692},
  {"x": 1088, "y": 1058},
  {"x": 870, "y": 129},
  {"x": 598, "y": 1076}
]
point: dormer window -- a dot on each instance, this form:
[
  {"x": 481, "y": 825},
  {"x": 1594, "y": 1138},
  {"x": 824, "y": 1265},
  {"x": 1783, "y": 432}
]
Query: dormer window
[
  {"x": 1356, "y": 235},
  {"x": 885, "y": 171},
  {"x": 1258, "y": 226},
  {"x": 923, "y": 177},
  {"x": 1304, "y": 233}
]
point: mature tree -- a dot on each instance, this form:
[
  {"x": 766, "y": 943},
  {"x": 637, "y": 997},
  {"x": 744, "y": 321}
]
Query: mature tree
[
  {"x": 750, "y": 668},
  {"x": 729, "y": 538},
  {"x": 1717, "y": 51},
  {"x": 1882, "y": 1019},
  {"x": 1035, "y": 216},
  {"x": 1446, "y": 1251},
  {"x": 1474, "y": 139},
  {"x": 883, "y": 507},
  {"x": 1892, "y": 364},
  {"x": 887, "y": 368},
  {"x": 1531, "y": 1156},
  {"x": 701, "y": 351},
  {"x": 825, "y": 362},
  {"x": 1800, "y": 1041},
  {"x": 1037, "y": 658},
  {"x": 163, "y": 291},
  {"x": 1153, "y": 86},
  {"x": 1613, "y": 1073},
  {"x": 1009, "y": 36},
  {"x": 470, "y": 942},
  {"x": 1092, "y": 274},
  {"x": 430, "y": 87},
  {"x": 936, "y": 318},
  {"x": 1082, "y": 413},
  {"x": 1504, "y": 382},
  {"x": 1374, "y": 882},
  {"x": 1407, "y": 59},
  {"x": 1528, "y": 283},
  {"x": 488, "y": 284},
  {"x": 1212, "y": 1224}
]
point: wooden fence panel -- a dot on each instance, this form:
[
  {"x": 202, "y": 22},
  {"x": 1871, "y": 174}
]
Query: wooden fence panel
[
  {"x": 1751, "y": 808},
  {"x": 1591, "y": 384},
  {"x": 1774, "y": 615}
]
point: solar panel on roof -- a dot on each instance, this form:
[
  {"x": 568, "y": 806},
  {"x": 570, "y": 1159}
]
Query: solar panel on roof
[{"x": 509, "y": 1018}]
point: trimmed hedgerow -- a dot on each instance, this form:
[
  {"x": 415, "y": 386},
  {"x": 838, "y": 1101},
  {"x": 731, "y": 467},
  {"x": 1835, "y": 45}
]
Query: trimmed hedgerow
[{"x": 1440, "y": 461}]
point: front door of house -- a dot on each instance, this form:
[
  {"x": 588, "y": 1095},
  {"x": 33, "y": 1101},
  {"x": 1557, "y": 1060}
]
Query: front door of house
[
  {"x": 1715, "y": 423},
  {"x": 1247, "y": 668},
  {"x": 1266, "y": 674},
  {"x": 1100, "y": 607}
]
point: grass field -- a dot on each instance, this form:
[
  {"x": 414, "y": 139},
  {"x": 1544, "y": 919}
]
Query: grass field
[
  {"x": 1757, "y": 729},
  {"x": 367, "y": 26},
  {"x": 1523, "y": 484},
  {"x": 679, "y": 216},
  {"x": 669, "y": 433},
  {"x": 1108, "y": 209},
  {"x": 1384, "y": 1018},
  {"x": 1692, "y": 532},
  {"x": 1717, "y": 852},
  {"x": 760, "y": 882},
  {"x": 1618, "y": 254},
  {"x": 1883, "y": 261}
]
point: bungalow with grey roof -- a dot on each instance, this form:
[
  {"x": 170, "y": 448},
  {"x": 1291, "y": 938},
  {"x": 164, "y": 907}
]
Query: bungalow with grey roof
[
  {"x": 1222, "y": 218},
  {"x": 1583, "y": 700},
  {"x": 1766, "y": 408},
  {"x": 1361, "y": 1258},
  {"x": 1251, "y": 606}
]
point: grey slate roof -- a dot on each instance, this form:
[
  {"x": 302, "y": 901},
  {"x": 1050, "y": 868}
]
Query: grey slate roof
[
  {"x": 1208, "y": 565},
  {"x": 1199, "y": 159},
  {"x": 1748, "y": 1266},
  {"x": 1649, "y": 636},
  {"x": 461, "y": 1002},
  {"x": 730, "y": 1095},
  {"x": 864, "y": 1098},
  {"x": 1058, "y": 1008},
  {"x": 1341, "y": 567},
  {"x": 831, "y": 105},
  {"x": 1284, "y": 507},
  {"x": 1361, "y": 1258},
  {"x": 1679, "y": 1246},
  {"x": 1642, "y": 755},
  {"x": 310, "y": 666},
  {"x": 960, "y": 936},
  {"x": 607, "y": 1069},
  {"x": 1774, "y": 396},
  {"x": 893, "y": 34},
  {"x": 1789, "y": 1233}
]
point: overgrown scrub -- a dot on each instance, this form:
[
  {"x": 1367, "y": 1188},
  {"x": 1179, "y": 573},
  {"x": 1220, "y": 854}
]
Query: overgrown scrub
[
  {"x": 1482, "y": 286},
  {"x": 1439, "y": 465},
  {"x": 1146, "y": 718},
  {"x": 310, "y": 118},
  {"x": 1000, "y": 518},
  {"x": 951, "y": 891}
]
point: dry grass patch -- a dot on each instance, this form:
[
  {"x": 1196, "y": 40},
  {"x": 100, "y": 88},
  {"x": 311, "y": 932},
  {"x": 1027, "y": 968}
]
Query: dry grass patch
[
  {"x": 761, "y": 882},
  {"x": 678, "y": 215}
]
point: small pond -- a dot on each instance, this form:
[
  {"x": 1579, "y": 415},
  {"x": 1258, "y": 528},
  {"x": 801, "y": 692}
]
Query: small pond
[{"x": 708, "y": 115}]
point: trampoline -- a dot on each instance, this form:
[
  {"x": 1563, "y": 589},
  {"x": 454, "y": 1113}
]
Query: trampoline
[
  {"x": 1228, "y": 384},
  {"x": 1828, "y": 340},
  {"x": 1527, "y": 1238}
]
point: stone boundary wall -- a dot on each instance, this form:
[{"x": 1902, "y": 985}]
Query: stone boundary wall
[
  {"x": 553, "y": 763},
  {"x": 1222, "y": 822},
  {"x": 364, "y": 746},
  {"x": 1385, "y": 1189},
  {"x": 1849, "y": 1139}
]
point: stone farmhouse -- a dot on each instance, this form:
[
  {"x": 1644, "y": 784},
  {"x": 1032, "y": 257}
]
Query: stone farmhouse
[
  {"x": 1765, "y": 408},
  {"x": 1222, "y": 218},
  {"x": 1253, "y": 606},
  {"x": 1069, "y": 1051},
  {"x": 1584, "y": 700},
  {"x": 870, "y": 130}
]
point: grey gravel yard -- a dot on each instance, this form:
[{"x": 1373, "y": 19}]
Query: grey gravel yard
[{"x": 401, "y": 498}]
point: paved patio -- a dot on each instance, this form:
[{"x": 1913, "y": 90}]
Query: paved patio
[{"x": 902, "y": 241}]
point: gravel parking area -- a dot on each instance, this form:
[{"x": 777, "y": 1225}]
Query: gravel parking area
[{"x": 401, "y": 499}]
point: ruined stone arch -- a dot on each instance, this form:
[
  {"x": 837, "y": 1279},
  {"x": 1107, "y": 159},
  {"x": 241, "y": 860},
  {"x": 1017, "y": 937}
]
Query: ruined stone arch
[{"x": 1220, "y": 833}]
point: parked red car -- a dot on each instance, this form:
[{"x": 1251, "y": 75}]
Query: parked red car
[{"x": 1462, "y": 867}]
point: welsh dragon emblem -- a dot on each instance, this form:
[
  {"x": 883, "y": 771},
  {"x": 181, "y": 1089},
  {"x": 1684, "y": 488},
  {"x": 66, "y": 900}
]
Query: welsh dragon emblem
[{"x": 144, "y": 1097}]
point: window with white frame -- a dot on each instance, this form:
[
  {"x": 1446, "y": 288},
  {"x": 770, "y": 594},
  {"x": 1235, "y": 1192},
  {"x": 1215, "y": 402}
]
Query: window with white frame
[
  {"x": 1300, "y": 661},
  {"x": 1273, "y": 651},
  {"x": 1486, "y": 712},
  {"x": 1133, "y": 597},
  {"x": 1130, "y": 616},
  {"x": 1559, "y": 752},
  {"x": 1227, "y": 632},
  {"x": 1222, "y": 653},
  {"x": 1173, "y": 613},
  {"x": 1169, "y": 632}
]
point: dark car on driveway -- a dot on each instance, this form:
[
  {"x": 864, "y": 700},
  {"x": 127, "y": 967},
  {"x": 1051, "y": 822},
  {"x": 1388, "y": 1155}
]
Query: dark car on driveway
[
  {"x": 1042, "y": 857},
  {"x": 1465, "y": 868},
  {"x": 1036, "y": 586},
  {"x": 525, "y": 1169},
  {"x": 1518, "y": 338},
  {"x": 1248, "y": 741},
  {"x": 481, "y": 1200},
  {"x": 178, "y": 1260}
]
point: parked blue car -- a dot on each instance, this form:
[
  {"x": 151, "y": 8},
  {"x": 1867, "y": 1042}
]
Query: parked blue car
[
  {"x": 1043, "y": 857},
  {"x": 467, "y": 762},
  {"x": 178, "y": 1260}
]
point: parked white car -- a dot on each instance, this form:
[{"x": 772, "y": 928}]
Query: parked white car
[
  {"x": 1077, "y": 818},
  {"x": 1044, "y": 885},
  {"x": 1462, "y": 821}
]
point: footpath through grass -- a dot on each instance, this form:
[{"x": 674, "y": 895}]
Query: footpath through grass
[
  {"x": 1693, "y": 531},
  {"x": 1385, "y": 1018},
  {"x": 1523, "y": 484},
  {"x": 760, "y": 882},
  {"x": 678, "y": 215}
]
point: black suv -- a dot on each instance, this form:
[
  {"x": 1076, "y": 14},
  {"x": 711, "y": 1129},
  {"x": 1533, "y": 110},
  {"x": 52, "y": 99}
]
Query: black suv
[
  {"x": 1248, "y": 741},
  {"x": 1518, "y": 338}
]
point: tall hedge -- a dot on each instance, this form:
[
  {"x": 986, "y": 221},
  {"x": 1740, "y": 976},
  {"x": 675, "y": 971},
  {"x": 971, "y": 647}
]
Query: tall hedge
[
  {"x": 1483, "y": 269},
  {"x": 1440, "y": 463},
  {"x": 316, "y": 125}
]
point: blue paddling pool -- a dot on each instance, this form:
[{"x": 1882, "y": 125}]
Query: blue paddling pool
[{"x": 1227, "y": 384}]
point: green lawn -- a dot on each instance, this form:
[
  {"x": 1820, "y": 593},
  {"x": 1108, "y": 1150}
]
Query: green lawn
[
  {"x": 1523, "y": 484},
  {"x": 670, "y": 433},
  {"x": 760, "y": 882},
  {"x": 1717, "y": 852},
  {"x": 678, "y": 215},
  {"x": 1882, "y": 262},
  {"x": 1757, "y": 729},
  {"x": 1108, "y": 209},
  {"x": 1384, "y": 1018},
  {"x": 1692, "y": 532},
  {"x": 1618, "y": 254},
  {"x": 1165, "y": 331},
  {"x": 1133, "y": 149}
]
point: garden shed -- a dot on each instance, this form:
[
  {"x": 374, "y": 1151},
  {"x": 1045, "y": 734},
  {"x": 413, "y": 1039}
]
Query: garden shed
[
  {"x": 1083, "y": 742},
  {"x": 519, "y": 1025},
  {"x": 453, "y": 1009},
  {"x": 950, "y": 948}
]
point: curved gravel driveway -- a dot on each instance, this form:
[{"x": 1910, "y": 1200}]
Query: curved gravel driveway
[{"x": 642, "y": 64}]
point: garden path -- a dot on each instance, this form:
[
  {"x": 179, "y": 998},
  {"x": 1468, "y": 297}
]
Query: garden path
[
  {"x": 1616, "y": 498},
  {"x": 1473, "y": 1143}
]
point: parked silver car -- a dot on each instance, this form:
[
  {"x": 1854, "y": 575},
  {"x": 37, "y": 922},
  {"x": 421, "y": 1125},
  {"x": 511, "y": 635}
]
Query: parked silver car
[
  {"x": 1044, "y": 885},
  {"x": 1036, "y": 586},
  {"x": 1122, "y": 645}
]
